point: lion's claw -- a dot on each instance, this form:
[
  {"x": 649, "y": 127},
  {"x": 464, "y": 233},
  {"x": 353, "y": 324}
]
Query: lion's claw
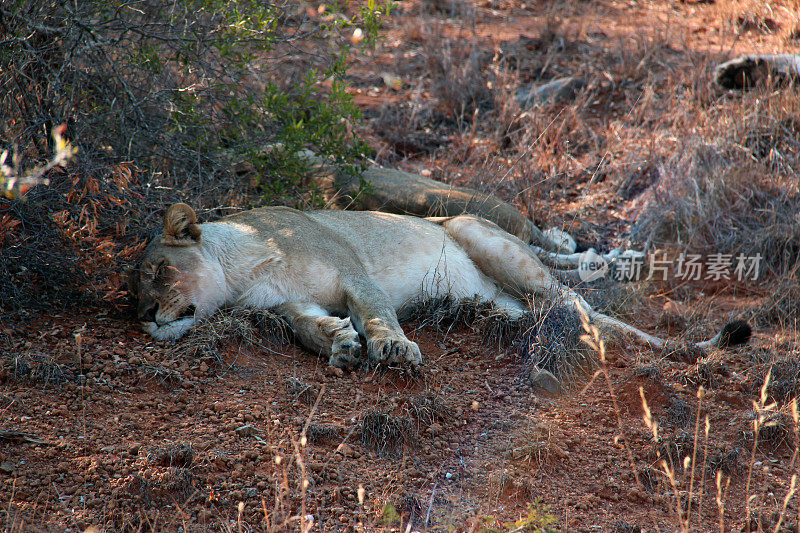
[
  {"x": 394, "y": 348},
  {"x": 345, "y": 346}
]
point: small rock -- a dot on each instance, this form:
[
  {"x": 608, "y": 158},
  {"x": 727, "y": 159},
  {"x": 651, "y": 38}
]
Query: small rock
[
  {"x": 559, "y": 91},
  {"x": 345, "y": 450},
  {"x": 558, "y": 451},
  {"x": 334, "y": 371},
  {"x": 219, "y": 407},
  {"x": 434, "y": 429},
  {"x": 245, "y": 431},
  {"x": 674, "y": 308},
  {"x": 543, "y": 380}
]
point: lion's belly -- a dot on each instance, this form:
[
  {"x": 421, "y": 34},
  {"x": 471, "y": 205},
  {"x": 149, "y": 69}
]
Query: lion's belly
[
  {"x": 408, "y": 257},
  {"x": 432, "y": 272},
  {"x": 419, "y": 260}
]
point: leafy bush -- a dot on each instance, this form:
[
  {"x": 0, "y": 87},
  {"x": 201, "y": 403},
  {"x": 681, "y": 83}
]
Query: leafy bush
[
  {"x": 190, "y": 91},
  {"x": 176, "y": 85}
]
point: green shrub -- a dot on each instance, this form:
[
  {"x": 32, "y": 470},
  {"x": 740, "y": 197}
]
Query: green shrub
[{"x": 166, "y": 100}]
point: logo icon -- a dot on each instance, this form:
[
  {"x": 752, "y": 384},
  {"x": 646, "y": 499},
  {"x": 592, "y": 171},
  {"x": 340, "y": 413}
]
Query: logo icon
[{"x": 592, "y": 266}]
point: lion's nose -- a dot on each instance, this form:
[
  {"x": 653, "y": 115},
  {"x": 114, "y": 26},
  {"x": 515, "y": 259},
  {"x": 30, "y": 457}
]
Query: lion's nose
[{"x": 149, "y": 315}]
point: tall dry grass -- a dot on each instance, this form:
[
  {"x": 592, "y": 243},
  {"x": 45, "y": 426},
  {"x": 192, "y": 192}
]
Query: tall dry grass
[{"x": 692, "y": 477}]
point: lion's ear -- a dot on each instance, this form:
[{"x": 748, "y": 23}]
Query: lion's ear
[{"x": 180, "y": 226}]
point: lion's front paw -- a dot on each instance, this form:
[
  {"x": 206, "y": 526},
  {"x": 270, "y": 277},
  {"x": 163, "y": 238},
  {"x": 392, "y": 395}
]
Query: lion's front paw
[
  {"x": 170, "y": 331},
  {"x": 345, "y": 347},
  {"x": 393, "y": 348}
]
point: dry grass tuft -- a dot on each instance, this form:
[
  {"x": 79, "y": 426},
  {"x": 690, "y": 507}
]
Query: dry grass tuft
[
  {"x": 411, "y": 508},
  {"x": 301, "y": 391},
  {"x": 163, "y": 374},
  {"x": 683, "y": 352},
  {"x": 679, "y": 413},
  {"x": 534, "y": 446},
  {"x": 784, "y": 383},
  {"x": 172, "y": 455},
  {"x": 743, "y": 16},
  {"x": 553, "y": 342},
  {"x": 240, "y": 326},
  {"x": 385, "y": 434},
  {"x": 450, "y": 8},
  {"x": 319, "y": 434},
  {"x": 783, "y": 307},
  {"x": 623, "y": 300},
  {"x": 445, "y": 313},
  {"x": 650, "y": 478},
  {"x": 430, "y": 407},
  {"x": 776, "y": 430},
  {"x": 622, "y": 526},
  {"x": 726, "y": 461},
  {"x": 459, "y": 77},
  {"x": 673, "y": 450},
  {"x": 735, "y": 194},
  {"x": 547, "y": 337},
  {"x": 157, "y": 489},
  {"x": 38, "y": 369},
  {"x": 709, "y": 375}
]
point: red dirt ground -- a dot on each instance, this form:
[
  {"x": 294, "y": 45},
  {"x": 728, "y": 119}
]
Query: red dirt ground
[{"x": 497, "y": 446}]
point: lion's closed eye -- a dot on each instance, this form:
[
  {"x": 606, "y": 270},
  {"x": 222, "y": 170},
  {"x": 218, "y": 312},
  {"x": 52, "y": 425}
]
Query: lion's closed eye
[{"x": 166, "y": 273}]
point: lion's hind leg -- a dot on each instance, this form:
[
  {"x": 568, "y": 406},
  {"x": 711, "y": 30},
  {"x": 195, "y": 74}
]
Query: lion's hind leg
[
  {"x": 500, "y": 255},
  {"x": 517, "y": 269},
  {"x": 327, "y": 335}
]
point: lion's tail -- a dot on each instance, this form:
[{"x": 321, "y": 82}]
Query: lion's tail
[{"x": 734, "y": 333}]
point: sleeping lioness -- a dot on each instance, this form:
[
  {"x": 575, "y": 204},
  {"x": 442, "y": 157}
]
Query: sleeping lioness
[{"x": 315, "y": 267}]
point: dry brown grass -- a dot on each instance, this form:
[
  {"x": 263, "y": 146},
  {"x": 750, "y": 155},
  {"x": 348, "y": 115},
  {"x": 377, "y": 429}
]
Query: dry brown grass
[
  {"x": 237, "y": 326},
  {"x": 386, "y": 434},
  {"x": 681, "y": 459},
  {"x": 733, "y": 190},
  {"x": 651, "y": 130},
  {"x": 737, "y": 17},
  {"x": 782, "y": 309},
  {"x": 547, "y": 336}
]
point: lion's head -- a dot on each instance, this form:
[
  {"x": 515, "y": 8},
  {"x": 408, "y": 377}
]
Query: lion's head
[{"x": 171, "y": 281}]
